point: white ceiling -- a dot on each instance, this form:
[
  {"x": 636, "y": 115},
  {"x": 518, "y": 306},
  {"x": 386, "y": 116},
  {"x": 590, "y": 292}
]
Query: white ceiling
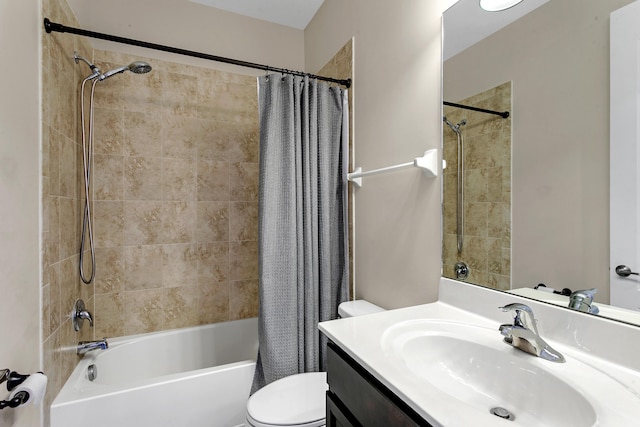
[{"x": 292, "y": 13}]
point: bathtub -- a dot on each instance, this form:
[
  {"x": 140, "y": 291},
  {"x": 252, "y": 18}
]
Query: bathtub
[{"x": 198, "y": 377}]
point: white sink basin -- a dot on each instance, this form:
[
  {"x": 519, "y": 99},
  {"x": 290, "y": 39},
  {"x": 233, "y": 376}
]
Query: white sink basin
[{"x": 470, "y": 366}]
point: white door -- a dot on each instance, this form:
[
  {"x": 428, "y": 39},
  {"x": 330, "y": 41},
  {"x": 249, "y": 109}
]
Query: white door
[{"x": 624, "y": 155}]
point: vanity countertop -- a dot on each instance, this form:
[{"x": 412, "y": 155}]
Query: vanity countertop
[{"x": 366, "y": 339}]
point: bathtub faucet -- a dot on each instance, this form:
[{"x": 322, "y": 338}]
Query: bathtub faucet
[{"x": 87, "y": 346}]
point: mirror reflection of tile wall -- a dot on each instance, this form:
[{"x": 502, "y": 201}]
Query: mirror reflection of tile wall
[{"x": 487, "y": 190}]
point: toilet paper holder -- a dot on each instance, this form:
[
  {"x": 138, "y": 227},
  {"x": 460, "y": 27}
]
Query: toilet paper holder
[{"x": 13, "y": 379}]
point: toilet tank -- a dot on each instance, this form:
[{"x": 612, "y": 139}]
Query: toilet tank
[{"x": 357, "y": 308}]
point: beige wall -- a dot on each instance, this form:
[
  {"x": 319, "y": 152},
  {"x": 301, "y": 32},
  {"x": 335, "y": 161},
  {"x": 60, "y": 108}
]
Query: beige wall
[
  {"x": 558, "y": 60},
  {"x": 397, "y": 116},
  {"x": 19, "y": 187}
]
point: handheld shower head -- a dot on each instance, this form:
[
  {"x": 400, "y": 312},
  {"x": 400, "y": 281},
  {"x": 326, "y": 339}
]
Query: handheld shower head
[
  {"x": 137, "y": 67},
  {"x": 113, "y": 72}
]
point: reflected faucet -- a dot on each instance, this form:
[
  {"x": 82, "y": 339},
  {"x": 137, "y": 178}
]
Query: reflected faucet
[
  {"x": 523, "y": 334},
  {"x": 87, "y": 346},
  {"x": 583, "y": 301}
]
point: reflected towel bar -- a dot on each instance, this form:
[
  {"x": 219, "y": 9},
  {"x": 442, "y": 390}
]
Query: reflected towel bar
[{"x": 428, "y": 163}]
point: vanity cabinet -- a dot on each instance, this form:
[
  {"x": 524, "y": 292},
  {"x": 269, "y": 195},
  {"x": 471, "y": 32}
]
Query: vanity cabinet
[{"x": 356, "y": 398}]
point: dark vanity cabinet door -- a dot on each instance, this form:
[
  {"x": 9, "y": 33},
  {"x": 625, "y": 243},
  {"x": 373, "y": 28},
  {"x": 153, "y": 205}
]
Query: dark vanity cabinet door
[{"x": 355, "y": 398}]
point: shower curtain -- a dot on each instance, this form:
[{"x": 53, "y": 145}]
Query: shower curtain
[{"x": 302, "y": 222}]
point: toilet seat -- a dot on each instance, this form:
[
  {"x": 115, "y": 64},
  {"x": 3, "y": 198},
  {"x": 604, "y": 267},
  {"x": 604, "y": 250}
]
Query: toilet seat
[{"x": 296, "y": 400}]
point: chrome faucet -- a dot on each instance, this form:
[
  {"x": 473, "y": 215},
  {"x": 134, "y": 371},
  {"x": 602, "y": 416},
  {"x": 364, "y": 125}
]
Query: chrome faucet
[
  {"x": 523, "y": 334},
  {"x": 583, "y": 301},
  {"x": 87, "y": 346},
  {"x": 79, "y": 315}
]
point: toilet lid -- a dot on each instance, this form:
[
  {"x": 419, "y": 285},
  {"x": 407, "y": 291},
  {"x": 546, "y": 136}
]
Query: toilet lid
[{"x": 293, "y": 400}]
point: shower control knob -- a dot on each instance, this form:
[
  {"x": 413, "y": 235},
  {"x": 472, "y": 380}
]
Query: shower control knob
[
  {"x": 624, "y": 271},
  {"x": 462, "y": 270}
]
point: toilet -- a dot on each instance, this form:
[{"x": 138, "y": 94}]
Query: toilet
[{"x": 298, "y": 400}]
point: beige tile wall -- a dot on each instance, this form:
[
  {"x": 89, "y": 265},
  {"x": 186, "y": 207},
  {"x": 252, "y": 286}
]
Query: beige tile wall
[
  {"x": 487, "y": 182},
  {"x": 175, "y": 197},
  {"x": 61, "y": 166}
]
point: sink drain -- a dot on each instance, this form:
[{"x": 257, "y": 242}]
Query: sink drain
[{"x": 501, "y": 412}]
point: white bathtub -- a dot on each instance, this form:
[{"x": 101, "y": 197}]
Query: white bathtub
[{"x": 196, "y": 377}]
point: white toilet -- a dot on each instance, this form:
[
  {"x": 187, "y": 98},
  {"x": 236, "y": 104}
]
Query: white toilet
[{"x": 298, "y": 400}]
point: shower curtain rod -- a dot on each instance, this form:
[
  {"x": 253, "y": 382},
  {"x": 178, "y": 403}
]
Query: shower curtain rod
[
  {"x": 503, "y": 114},
  {"x": 53, "y": 26}
]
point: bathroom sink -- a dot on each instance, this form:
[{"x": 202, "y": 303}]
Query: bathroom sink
[{"x": 475, "y": 373}]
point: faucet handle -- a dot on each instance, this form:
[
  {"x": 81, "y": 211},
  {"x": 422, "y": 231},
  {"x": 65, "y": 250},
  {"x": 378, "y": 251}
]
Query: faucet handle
[
  {"x": 79, "y": 315},
  {"x": 529, "y": 322}
]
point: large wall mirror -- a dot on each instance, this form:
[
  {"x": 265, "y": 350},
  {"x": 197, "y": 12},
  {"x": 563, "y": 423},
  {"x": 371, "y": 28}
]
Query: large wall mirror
[{"x": 536, "y": 185}]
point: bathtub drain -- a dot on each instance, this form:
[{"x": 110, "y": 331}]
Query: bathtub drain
[
  {"x": 92, "y": 372},
  {"x": 501, "y": 412}
]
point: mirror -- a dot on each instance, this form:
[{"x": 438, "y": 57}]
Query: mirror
[{"x": 555, "y": 60}]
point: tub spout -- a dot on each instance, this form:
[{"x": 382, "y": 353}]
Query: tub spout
[{"x": 87, "y": 346}]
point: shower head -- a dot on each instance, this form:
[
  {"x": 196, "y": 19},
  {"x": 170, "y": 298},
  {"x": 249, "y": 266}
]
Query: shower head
[{"x": 137, "y": 67}]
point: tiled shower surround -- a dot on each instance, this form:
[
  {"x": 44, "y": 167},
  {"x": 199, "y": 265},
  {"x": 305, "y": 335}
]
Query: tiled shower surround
[
  {"x": 487, "y": 194},
  {"x": 175, "y": 197}
]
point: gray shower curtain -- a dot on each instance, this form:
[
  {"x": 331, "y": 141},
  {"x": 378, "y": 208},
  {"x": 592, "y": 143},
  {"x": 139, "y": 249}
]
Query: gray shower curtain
[{"x": 302, "y": 222}]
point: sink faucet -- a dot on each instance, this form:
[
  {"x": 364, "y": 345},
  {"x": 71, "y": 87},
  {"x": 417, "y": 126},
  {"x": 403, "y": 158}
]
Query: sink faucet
[
  {"x": 523, "y": 334},
  {"x": 87, "y": 346}
]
